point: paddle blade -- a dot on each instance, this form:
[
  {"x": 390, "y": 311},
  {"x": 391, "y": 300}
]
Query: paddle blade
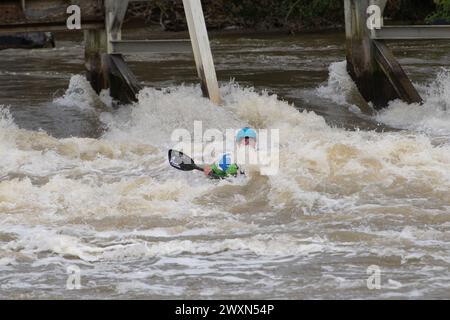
[{"x": 182, "y": 162}]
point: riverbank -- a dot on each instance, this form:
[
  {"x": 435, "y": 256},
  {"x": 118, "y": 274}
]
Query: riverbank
[
  {"x": 290, "y": 16},
  {"x": 156, "y": 32}
]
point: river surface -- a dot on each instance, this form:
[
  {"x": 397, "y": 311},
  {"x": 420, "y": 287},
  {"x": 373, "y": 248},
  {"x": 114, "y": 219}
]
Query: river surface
[{"x": 86, "y": 187}]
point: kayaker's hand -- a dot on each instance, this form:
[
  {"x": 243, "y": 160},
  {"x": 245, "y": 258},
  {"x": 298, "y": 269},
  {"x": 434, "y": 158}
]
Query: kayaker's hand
[{"x": 207, "y": 170}]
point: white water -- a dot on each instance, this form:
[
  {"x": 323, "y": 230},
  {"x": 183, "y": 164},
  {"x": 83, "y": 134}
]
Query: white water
[
  {"x": 343, "y": 200},
  {"x": 431, "y": 118}
]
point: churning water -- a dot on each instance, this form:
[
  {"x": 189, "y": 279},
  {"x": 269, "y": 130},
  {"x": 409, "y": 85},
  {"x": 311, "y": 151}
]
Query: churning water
[{"x": 82, "y": 184}]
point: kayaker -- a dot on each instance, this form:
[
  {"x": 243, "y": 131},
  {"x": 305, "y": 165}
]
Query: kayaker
[{"x": 227, "y": 165}]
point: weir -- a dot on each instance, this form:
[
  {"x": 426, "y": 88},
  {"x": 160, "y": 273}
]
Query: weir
[
  {"x": 373, "y": 67},
  {"x": 101, "y": 21}
]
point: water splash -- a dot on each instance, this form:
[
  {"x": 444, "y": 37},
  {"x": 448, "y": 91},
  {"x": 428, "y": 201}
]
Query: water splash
[
  {"x": 114, "y": 200},
  {"x": 339, "y": 86},
  {"x": 80, "y": 95},
  {"x": 432, "y": 117}
]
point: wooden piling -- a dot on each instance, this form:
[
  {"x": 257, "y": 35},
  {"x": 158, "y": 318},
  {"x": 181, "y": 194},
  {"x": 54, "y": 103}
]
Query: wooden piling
[
  {"x": 101, "y": 22},
  {"x": 202, "y": 50},
  {"x": 377, "y": 74},
  {"x": 95, "y": 60},
  {"x": 104, "y": 69}
]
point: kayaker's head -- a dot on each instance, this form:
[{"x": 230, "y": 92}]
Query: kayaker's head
[{"x": 246, "y": 137}]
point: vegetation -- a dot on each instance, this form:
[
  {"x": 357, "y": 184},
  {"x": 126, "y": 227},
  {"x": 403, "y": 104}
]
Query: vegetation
[
  {"x": 280, "y": 14},
  {"x": 442, "y": 13}
]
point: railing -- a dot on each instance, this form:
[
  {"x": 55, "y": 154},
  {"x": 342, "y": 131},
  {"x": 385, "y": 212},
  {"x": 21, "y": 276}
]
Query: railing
[{"x": 412, "y": 33}]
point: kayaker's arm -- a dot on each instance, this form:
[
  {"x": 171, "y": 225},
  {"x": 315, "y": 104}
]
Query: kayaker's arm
[{"x": 207, "y": 170}]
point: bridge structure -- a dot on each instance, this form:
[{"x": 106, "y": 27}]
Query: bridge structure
[
  {"x": 378, "y": 75},
  {"x": 101, "y": 22},
  {"x": 373, "y": 67}
]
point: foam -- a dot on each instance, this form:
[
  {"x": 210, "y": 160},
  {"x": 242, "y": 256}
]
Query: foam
[{"x": 115, "y": 199}]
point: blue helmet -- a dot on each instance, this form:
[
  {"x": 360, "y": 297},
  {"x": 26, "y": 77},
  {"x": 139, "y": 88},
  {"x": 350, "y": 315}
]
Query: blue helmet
[{"x": 245, "y": 133}]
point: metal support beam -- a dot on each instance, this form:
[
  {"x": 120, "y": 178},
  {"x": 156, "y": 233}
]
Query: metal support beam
[
  {"x": 114, "y": 15},
  {"x": 412, "y": 33}
]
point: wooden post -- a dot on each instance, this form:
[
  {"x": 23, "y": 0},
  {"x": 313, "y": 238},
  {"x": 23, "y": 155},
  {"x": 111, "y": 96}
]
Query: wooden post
[
  {"x": 95, "y": 50},
  {"x": 377, "y": 74},
  {"x": 202, "y": 50},
  {"x": 107, "y": 70}
]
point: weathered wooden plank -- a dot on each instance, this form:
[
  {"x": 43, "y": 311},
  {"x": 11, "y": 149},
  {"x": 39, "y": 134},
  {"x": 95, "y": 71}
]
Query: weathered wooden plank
[
  {"x": 395, "y": 73},
  {"x": 124, "y": 87},
  {"x": 202, "y": 50},
  {"x": 151, "y": 46},
  {"x": 108, "y": 71},
  {"x": 42, "y": 13},
  {"x": 412, "y": 33}
]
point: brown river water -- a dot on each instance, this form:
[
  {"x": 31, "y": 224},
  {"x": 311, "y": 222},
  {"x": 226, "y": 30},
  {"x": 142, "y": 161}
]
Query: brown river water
[{"x": 85, "y": 186}]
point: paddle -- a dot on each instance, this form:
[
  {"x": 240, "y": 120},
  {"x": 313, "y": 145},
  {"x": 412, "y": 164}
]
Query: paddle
[{"x": 182, "y": 162}]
